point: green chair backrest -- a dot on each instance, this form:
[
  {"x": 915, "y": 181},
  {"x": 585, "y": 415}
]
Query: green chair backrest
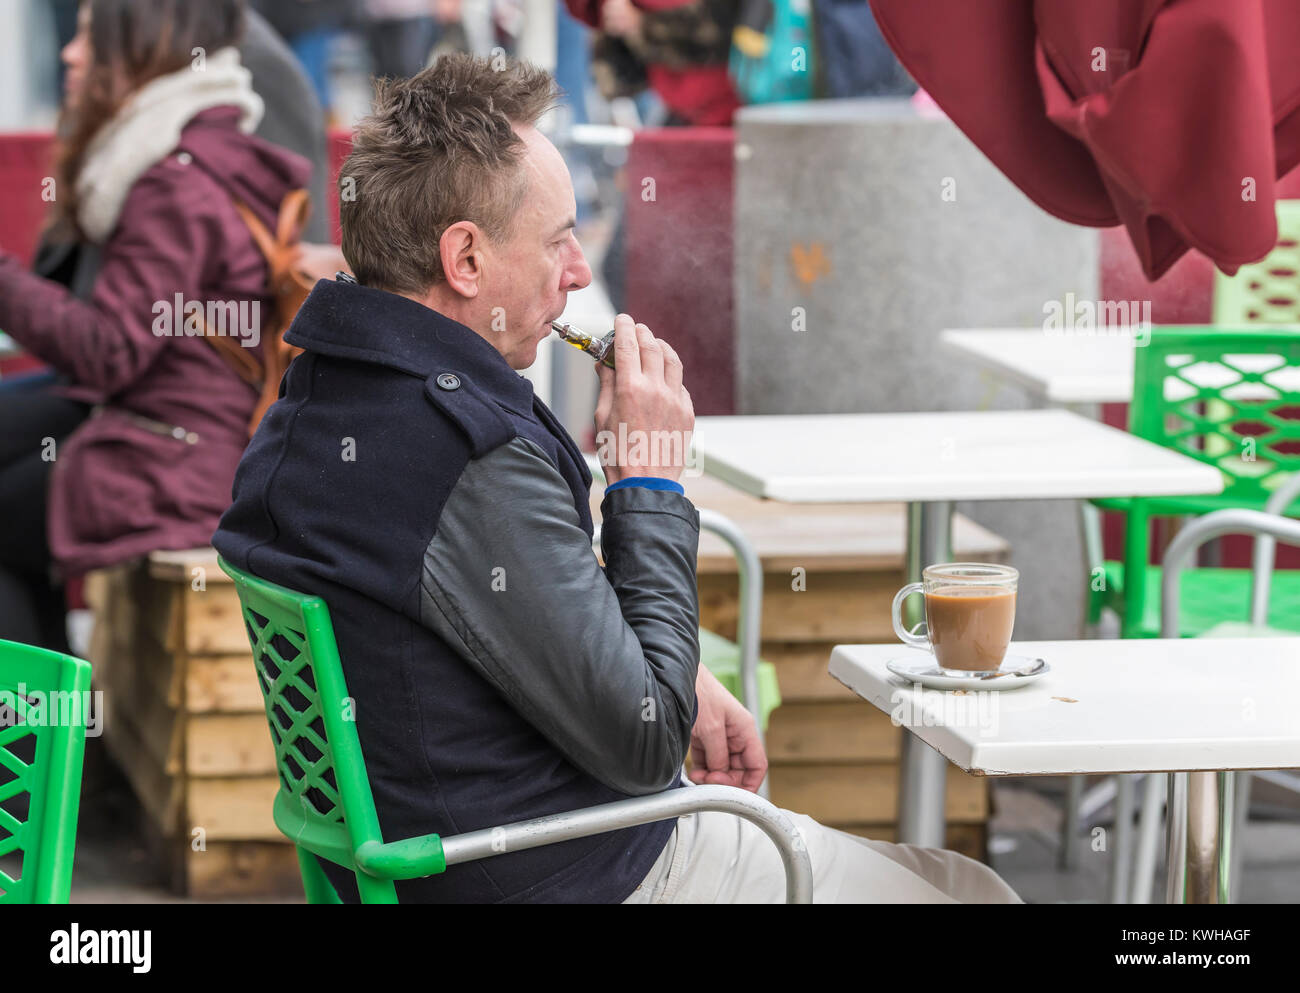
[
  {"x": 324, "y": 804},
  {"x": 1268, "y": 291},
  {"x": 1229, "y": 398},
  {"x": 44, "y": 703}
]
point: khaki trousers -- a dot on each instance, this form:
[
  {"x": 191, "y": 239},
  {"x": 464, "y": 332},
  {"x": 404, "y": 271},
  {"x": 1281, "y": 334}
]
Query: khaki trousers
[{"x": 721, "y": 858}]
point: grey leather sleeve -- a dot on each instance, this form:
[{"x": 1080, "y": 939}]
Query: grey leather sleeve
[{"x": 602, "y": 663}]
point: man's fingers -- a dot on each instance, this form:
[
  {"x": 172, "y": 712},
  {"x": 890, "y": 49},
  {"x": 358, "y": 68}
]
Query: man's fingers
[
  {"x": 627, "y": 349},
  {"x": 754, "y": 762},
  {"x": 672, "y": 366},
  {"x": 713, "y": 740},
  {"x": 652, "y": 356},
  {"x": 746, "y": 752}
]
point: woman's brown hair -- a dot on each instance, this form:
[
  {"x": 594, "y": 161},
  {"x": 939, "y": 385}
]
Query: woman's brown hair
[{"x": 131, "y": 43}]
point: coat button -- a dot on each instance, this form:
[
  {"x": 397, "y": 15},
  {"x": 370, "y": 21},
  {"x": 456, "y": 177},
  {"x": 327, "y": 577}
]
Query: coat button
[{"x": 449, "y": 381}]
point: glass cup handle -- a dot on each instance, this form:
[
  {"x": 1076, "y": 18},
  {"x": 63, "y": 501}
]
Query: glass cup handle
[{"x": 896, "y": 613}]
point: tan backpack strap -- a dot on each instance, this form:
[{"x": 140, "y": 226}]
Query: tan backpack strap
[
  {"x": 280, "y": 251},
  {"x": 295, "y": 208},
  {"x": 241, "y": 359}
]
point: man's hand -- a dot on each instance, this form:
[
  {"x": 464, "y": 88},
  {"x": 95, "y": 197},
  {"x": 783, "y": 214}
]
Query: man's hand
[
  {"x": 644, "y": 396},
  {"x": 725, "y": 750}
]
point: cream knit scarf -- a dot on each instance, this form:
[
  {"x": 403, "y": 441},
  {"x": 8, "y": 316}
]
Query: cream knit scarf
[{"x": 148, "y": 127}]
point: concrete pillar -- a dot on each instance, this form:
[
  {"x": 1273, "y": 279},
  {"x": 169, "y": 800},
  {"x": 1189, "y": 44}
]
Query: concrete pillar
[{"x": 862, "y": 230}]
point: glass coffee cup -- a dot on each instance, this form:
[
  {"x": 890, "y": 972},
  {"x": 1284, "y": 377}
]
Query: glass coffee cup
[{"x": 970, "y": 611}]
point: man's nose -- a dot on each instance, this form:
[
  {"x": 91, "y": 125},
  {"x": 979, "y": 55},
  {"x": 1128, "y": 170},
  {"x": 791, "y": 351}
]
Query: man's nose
[{"x": 578, "y": 273}]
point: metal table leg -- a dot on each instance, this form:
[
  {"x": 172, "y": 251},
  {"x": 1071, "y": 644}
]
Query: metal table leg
[
  {"x": 1199, "y": 836},
  {"x": 1121, "y": 840},
  {"x": 1065, "y": 856},
  {"x": 923, "y": 772}
]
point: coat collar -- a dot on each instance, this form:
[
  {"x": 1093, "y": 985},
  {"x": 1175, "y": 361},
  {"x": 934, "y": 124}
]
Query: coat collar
[{"x": 345, "y": 320}]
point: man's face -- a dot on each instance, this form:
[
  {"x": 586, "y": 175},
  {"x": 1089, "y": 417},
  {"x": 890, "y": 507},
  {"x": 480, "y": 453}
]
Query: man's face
[{"x": 530, "y": 274}]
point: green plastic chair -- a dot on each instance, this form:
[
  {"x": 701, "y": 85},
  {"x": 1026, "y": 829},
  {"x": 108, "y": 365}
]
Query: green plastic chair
[
  {"x": 1222, "y": 397},
  {"x": 40, "y": 771},
  {"x": 325, "y": 806}
]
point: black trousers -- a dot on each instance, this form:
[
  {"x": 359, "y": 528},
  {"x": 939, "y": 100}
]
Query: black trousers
[{"x": 33, "y": 424}]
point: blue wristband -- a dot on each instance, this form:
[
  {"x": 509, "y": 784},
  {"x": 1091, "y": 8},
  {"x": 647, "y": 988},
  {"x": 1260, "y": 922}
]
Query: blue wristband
[{"x": 649, "y": 482}]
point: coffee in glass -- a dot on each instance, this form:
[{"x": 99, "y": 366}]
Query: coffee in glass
[{"x": 970, "y": 611}]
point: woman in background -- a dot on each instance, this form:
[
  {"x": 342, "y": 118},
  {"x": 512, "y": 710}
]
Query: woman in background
[{"x": 135, "y": 448}]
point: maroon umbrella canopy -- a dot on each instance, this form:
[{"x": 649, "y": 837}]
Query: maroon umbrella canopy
[{"x": 1174, "y": 118}]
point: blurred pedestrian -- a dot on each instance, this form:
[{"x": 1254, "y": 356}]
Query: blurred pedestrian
[
  {"x": 311, "y": 28},
  {"x": 134, "y": 447},
  {"x": 293, "y": 116},
  {"x": 680, "y": 49},
  {"x": 402, "y": 33}
]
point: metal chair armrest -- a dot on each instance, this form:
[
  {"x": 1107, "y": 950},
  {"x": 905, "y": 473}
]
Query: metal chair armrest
[
  {"x": 539, "y": 831},
  {"x": 1262, "y": 561},
  {"x": 749, "y": 625},
  {"x": 1203, "y": 529}
]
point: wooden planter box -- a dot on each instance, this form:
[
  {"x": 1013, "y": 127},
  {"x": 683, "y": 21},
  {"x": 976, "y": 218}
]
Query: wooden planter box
[{"x": 185, "y": 722}]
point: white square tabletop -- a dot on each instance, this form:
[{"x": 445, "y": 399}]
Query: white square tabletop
[
  {"x": 1063, "y": 367},
  {"x": 952, "y": 455},
  {"x": 1132, "y": 705}
]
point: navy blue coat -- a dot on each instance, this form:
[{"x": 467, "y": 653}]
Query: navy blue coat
[{"x": 410, "y": 478}]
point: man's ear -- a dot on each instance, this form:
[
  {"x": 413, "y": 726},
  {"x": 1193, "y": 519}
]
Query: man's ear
[{"x": 461, "y": 251}]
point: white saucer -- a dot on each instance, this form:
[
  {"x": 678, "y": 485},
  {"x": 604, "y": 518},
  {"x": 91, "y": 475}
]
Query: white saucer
[{"x": 1015, "y": 671}]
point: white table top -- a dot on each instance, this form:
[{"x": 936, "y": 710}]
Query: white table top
[
  {"x": 956, "y": 455},
  {"x": 1061, "y": 367},
  {"x": 1136, "y": 705}
]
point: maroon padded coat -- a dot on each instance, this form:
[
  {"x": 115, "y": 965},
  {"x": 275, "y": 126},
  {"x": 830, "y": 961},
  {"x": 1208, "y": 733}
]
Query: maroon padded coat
[{"x": 119, "y": 490}]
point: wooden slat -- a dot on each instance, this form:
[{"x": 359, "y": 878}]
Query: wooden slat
[
  {"x": 178, "y": 567},
  {"x": 801, "y": 672},
  {"x": 831, "y": 732},
  {"x": 836, "y": 607},
  {"x": 222, "y": 684},
  {"x": 866, "y": 792},
  {"x": 138, "y": 700},
  {"x": 248, "y": 869},
  {"x": 228, "y": 745},
  {"x": 233, "y": 809},
  {"x": 213, "y": 622},
  {"x": 161, "y": 795}
]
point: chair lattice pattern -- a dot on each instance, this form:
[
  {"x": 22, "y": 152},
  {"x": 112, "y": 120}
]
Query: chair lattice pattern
[
  {"x": 1267, "y": 291},
  {"x": 293, "y": 710},
  {"x": 19, "y": 786},
  {"x": 1239, "y": 412}
]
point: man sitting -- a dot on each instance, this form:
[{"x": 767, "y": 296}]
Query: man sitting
[{"x": 409, "y": 477}]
